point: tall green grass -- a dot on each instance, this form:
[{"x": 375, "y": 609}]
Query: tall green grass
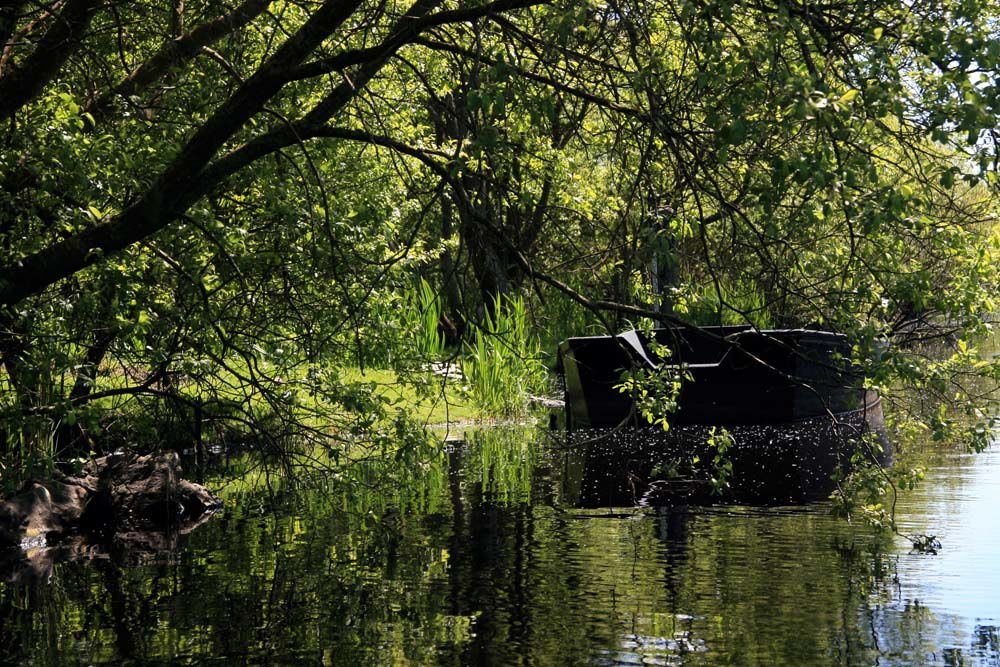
[
  {"x": 421, "y": 317},
  {"x": 401, "y": 326},
  {"x": 560, "y": 317},
  {"x": 503, "y": 365},
  {"x": 27, "y": 449},
  {"x": 742, "y": 303}
]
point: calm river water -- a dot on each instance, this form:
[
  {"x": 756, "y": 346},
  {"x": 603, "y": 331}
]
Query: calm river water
[{"x": 482, "y": 560}]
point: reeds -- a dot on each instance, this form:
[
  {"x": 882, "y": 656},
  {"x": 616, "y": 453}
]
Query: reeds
[
  {"x": 739, "y": 303},
  {"x": 417, "y": 321},
  {"x": 502, "y": 365}
]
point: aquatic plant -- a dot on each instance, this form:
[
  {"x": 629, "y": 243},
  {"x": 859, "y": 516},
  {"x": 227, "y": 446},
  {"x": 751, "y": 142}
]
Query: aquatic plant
[
  {"x": 422, "y": 316},
  {"x": 29, "y": 450},
  {"x": 741, "y": 302},
  {"x": 502, "y": 364}
]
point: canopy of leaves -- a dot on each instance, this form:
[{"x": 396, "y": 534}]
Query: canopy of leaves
[{"x": 225, "y": 205}]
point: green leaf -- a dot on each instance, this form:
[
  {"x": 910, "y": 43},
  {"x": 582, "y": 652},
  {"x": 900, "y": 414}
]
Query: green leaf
[{"x": 849, "y": 96}]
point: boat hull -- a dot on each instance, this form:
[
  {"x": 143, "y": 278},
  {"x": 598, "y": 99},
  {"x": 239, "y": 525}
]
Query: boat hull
[
  {"x": 792, "y": 410},
  {"x": 734, "y": 375}
]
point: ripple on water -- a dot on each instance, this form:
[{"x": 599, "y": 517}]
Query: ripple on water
[{"x": 481, "y": 574}]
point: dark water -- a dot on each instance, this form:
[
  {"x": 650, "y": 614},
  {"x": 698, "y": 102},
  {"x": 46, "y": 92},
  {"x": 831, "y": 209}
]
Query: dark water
[{"x": 481, "y": 559}]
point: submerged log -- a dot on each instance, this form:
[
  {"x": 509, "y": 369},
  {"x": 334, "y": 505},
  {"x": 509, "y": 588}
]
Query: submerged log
[{"x": 113, "y": 495}]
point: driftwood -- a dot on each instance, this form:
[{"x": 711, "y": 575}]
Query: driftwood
[{"x": 116, "y": 496}]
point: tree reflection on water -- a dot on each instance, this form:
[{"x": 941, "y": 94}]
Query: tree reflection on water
[{"x": 483, "y": 559}]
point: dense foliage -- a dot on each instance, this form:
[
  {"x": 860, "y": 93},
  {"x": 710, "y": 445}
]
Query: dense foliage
[{"x": 215, "y": 209}]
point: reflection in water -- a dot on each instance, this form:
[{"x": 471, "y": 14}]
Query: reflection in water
[
  {"x": 760, "y": 464},
  {"x": 484, "y": 559}
]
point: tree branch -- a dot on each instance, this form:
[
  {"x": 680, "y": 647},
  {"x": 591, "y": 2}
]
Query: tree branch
[
  {"x": 408, "y": 28},
  {"x": 178, "y": 186},
  {"x": 190, "y": 176},
  {"x": 9, "y": 15},
  {"x": 26, "y": 81},
  {"x": 531, "y": 76},
  {"x": 180, "y": 49}
]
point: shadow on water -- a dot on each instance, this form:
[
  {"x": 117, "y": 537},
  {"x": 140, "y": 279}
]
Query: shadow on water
[{"x": 508, "y": 549}]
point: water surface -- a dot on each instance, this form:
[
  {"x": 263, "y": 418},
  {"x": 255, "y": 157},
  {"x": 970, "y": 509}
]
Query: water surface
[{"x": 484, "y": 559}]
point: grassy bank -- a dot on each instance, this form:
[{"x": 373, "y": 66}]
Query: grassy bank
[{"x": 446, "y": 404}]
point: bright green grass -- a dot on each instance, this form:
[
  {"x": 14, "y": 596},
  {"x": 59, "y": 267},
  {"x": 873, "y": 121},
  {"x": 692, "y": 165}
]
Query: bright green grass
[
  {"x": 447, "y": 405},
  {"x": 444, "y": 404}
]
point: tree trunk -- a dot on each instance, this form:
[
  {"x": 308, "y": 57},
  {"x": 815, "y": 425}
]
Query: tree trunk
[{"x": 449, "y": 272}]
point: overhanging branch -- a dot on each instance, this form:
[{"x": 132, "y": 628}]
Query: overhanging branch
[
  {"x": 25, "y": 81},
  {"x": 409, "y": 27},
  {"x": 178, "y": 50}
]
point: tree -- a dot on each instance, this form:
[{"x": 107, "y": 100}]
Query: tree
[{"x": 196, "y": 188}]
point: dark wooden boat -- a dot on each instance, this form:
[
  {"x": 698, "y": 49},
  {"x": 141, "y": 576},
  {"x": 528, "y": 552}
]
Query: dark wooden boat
[
  {"x": 791, "y": 401},
  {"x": 737, "y": 375}
]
